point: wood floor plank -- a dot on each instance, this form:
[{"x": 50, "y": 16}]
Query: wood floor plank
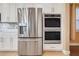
[
  {"x": 45, "y": 53},
  {"x": 53, "y": 53},
  {"x": 8, "y": 53}
]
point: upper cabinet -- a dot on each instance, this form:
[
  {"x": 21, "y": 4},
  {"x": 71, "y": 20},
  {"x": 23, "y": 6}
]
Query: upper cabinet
[
  {"x": 13, "y": 13},
  {"x": 53, "y": 8},
  {"x": 8, "y": 12},
  {"x": 47, "y": 7}
]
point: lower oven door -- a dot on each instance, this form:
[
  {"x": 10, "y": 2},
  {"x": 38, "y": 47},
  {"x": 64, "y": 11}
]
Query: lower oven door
[{"x": 52, "y": 37}]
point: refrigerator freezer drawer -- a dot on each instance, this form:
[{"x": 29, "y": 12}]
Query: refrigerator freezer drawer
[{"x": 28, "y": 47}]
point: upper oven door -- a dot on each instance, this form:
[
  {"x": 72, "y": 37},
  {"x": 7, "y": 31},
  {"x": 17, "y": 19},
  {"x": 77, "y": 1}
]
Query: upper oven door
[{"x": 52, "y": 20}]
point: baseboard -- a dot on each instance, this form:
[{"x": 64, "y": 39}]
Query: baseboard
[
  {"x": 66, "y": 52},
  {"x": 74, "y": 44}
]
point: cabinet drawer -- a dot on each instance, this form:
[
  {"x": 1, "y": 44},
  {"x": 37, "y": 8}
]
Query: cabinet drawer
[{"x": 52, "y": 47}]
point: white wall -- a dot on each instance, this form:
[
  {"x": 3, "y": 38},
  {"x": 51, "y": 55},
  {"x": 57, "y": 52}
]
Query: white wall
[{"x": 66, "y": 30}]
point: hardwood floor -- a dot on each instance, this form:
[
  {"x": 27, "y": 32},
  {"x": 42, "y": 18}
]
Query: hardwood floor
[
  {"x": 53, "y": 53},
  {"x": 8, "y": 53},
  {"x": 45, "y": 53},
  {"x": 74, "y": 50}
]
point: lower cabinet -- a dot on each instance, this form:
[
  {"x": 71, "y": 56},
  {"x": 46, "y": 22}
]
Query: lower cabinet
[
  {"x": 30, "y": 47},
  {"x": 8, "y": 42},
  {"x": 1, "y": 43}
]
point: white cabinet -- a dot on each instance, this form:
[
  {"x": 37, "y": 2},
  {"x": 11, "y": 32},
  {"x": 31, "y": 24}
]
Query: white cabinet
[
  {"x": 8, "y": 13},
  {"x": 56, "y": 8},
  {"x": 14, "y": 41},
  {"x": 47, "y": 10},
  {"x": 8, "y": 41},
  {"x": 59, "y": 8},
  {"x": 9, "y": 10},
  {"x": 13, "y": 13},
  {"x": 53, "y": 10},
  {"x": 4, "y": 12},
  {"x": 1, "y": 43}
]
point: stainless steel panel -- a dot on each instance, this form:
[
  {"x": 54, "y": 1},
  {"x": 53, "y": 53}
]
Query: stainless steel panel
[
  {"x": 53, "y": 29},
  {"x": 22, "y": 16},
  {"x": 23, "y": 22},
  {"x": 35, "y": 22},
  {"x": 19, "y": 15},
  {"x": 39, "y": 22},
  {"x": 52, "y": 42},
  {"x": 22, "y": 48},
  {"x": 32, "y": 22},
  {"x": 29, "y": 47}
]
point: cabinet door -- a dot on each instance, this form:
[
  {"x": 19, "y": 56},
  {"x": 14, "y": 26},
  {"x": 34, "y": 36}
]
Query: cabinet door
[
  {"x": 58, "y": 8},
  {"x": 13, "y": 13},
  {"x": 1, "y": 43},
  {"x": 8, "y": 12},
  {"x": 15, "y": 44},
  {"x": 47, "y": 10},
  {"x": 13, "y": 41},
  {"x": 6, "y": 44},
  {"x": 5, "y": 12}
]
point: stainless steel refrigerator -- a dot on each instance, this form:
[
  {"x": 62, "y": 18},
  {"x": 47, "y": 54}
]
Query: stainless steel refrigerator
[{"x": 30, "y": 31}]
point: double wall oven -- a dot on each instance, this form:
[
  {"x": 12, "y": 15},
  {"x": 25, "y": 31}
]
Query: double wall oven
[{"x": 52, "y": 28}]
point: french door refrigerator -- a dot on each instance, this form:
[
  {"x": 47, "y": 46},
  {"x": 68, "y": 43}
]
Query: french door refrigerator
[{"x": 30, "y": 31}]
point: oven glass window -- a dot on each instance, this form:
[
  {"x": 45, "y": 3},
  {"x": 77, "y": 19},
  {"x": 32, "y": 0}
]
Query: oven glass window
[
  {"x": 52, "y": 35},
  {"x": 52, "y": 22}
]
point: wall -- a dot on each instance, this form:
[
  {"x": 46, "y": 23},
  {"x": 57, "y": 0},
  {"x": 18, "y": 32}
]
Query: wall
[{"x": 66, "y": 28}]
